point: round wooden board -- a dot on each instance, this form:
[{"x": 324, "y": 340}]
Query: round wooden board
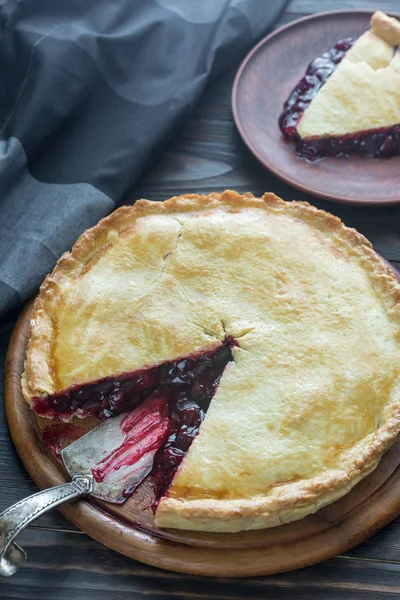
[
  {"x": 262, "y": 85},
  {"x": 131, "y": 531}
]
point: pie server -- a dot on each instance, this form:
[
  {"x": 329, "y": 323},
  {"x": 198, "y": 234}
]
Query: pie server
[{"x": 79, "y": 458}]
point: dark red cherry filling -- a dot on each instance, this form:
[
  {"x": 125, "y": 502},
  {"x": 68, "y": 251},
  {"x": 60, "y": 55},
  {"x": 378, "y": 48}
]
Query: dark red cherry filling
[
  {"x": 378, "y": 143},
  {"x": 60, "y": 434},
  {"x": 113, "y": 395},
  {"x": 145, "y": 429},
  {"x": 301, "y": 96},
  {"x": 166, "y": 407}
]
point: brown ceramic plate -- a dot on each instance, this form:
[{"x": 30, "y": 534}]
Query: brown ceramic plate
[{"x": 263, "y": 83}]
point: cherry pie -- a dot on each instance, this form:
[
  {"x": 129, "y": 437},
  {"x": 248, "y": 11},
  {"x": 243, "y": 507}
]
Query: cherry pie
[
  {"x": 349, "y": 101},
  {"x": 257, "y": 340}
]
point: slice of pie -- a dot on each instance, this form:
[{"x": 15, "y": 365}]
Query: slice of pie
[
  {"x": 349, "y": 100},
  {"x": 267, "y": 330}
]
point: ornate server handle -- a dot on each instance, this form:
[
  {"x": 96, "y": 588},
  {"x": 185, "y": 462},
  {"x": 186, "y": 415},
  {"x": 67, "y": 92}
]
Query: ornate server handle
[{"x": 14, "y": 519}]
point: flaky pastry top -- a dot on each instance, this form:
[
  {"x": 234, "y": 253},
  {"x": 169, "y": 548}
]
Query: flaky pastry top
[
  {"x": 363, "y": 92},
  {"x": 312, "y": 398}
]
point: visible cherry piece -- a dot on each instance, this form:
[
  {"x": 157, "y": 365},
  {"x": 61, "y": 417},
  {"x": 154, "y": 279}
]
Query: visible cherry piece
[
  {"x": 165, "y": 407},
  {"x": 113, "y": 395}
]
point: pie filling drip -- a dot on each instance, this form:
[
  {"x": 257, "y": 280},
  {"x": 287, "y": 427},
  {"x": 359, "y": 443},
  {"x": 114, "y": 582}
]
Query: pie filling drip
[
  {"x": 377, "y": 143},
  {"x": 167, "y": 405}
]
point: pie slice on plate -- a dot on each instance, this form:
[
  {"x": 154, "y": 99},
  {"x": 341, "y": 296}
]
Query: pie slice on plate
[
  {"x": 268, "y": 330},
  {"x": 349, "y": 100}
]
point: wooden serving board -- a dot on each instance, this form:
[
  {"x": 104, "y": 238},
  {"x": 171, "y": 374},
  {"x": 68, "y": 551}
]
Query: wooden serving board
[{"x": 130, "y": 530}]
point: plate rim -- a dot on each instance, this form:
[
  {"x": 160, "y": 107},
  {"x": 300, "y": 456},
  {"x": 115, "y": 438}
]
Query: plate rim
[{"x": 251, "y": 146}]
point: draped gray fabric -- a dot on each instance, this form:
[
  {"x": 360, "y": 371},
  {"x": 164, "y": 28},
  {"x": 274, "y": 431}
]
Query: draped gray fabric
[{"x": 89, "y": 91}]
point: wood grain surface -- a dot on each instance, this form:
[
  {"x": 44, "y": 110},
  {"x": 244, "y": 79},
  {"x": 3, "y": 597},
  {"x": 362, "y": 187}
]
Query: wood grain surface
[{"x": 64, "y": 563}]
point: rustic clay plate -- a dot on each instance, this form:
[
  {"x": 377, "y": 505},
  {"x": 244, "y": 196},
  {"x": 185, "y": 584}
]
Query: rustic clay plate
[
  {"x": 130, "y": 528},
  {"x": 263, "y": 83}
]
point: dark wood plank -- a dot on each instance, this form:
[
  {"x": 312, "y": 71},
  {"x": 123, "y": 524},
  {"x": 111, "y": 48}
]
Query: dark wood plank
[{"x": 66, "y": 565}]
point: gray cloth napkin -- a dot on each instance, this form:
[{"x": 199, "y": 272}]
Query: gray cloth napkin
[{"x": 89, "y": 91}]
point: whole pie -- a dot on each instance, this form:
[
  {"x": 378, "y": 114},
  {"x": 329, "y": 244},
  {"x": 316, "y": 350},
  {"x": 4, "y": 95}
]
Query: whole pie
[
  {"x": 264, "y": 333},
  {"x": 349, "y": 100}
]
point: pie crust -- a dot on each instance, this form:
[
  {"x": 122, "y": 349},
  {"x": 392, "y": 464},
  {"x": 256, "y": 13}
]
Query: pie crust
[
  {"x": 363, "y": 92},
  {"x": 312, "y": 399},
  {"x": 348, "y": 101}
]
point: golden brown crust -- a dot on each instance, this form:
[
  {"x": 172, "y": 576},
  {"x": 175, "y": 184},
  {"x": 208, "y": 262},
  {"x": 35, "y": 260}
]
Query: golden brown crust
[
  {"x": 291, "y": 504},
  {"x": 284, "y": 502},
  {"x": 387, "y": 28},
  {"x": 369, "y": 72},
  {"x": 39, "y": 377}
]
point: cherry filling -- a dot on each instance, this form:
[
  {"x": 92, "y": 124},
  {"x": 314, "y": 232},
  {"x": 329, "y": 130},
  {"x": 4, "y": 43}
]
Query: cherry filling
[
  {"x": 146, "y": 429},
  {"x": 301, "y": 96},
  {"x": 57, "y": 436},
  {"x": 166, "y": 407},
  {"x": 113, "y": 395},
  {"x": 377, "y": 143}
]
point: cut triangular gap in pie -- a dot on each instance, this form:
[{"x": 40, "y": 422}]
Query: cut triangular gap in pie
[
  {"x": 182, "y": 389},
  {"x": 269, "y": 329},
  {"x": 349, "y": 100}
]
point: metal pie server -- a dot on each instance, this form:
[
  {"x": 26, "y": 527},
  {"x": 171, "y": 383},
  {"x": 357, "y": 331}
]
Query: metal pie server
[{"x": 79, "y": 458}]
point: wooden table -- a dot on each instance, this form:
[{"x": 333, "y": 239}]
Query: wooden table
[{"x": 64, "y": 563}]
